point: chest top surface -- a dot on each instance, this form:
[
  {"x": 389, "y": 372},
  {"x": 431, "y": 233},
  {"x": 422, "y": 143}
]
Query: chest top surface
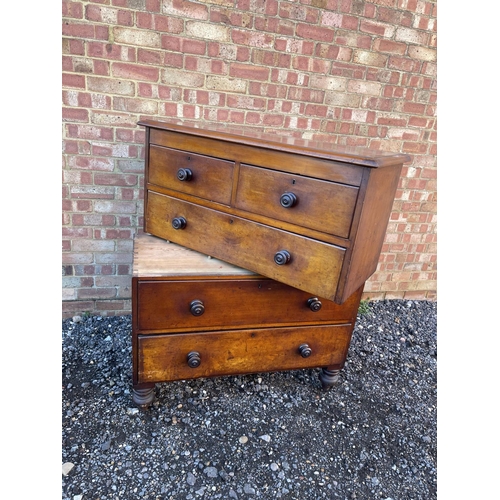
[
  {"x": 155, "y": 257},
  {"x": 268, "y": 140}
]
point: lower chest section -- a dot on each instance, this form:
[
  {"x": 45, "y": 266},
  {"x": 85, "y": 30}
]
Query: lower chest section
[{"x": 211, "y": 326}]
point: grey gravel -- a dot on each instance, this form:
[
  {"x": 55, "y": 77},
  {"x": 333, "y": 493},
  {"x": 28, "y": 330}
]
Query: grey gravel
[{"x": 263, "y": 436}]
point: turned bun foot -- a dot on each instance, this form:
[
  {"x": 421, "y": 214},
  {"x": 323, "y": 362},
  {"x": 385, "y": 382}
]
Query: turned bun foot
[
  {"x": 143, "y": 396},
  {"x": 329, "y": 378}
]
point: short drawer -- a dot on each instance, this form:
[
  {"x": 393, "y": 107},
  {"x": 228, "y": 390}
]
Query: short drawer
[
  {"x": 322, "y": 205},
  {"x": 289, "y": 258},
  {"x": 194, "y": 174},
  {"x": 170, "y": 306},
  {"x": 186, "y": 356}
]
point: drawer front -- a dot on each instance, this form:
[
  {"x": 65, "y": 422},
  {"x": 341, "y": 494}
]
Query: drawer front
[
  {"x": 165, "y": 357},
  {"x": 313, "y": 203},
  {"x": 253, "y": 246},
  {"x": 198, "y": 175},
  {"x": 169, "y": 306}
]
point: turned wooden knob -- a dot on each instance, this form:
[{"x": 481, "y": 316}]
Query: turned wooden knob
[
  {"x": 282, "y": 257},
  {"x": 305, "y": 351},
  {"x": 314, "y": 304},
  {"x": 196, "y": 308},
  {"x": 194, "y": 359},
  {"x": 179, "y": 223},
  {"x": 184, "y": 174},
  {"x": 288, "y": 200}
]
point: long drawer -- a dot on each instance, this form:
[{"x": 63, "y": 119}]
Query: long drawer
[
  {"x": 304, "y": 263},
  {"x": 169, "y": 306},
  {"x": 187, "y": 356}
]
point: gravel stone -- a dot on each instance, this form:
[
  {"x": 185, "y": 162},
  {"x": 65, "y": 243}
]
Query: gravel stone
[
  {"x": 67, "y": 468},
  {"x": 211, "y": 472},
  {"x": 372, "y": 436}
]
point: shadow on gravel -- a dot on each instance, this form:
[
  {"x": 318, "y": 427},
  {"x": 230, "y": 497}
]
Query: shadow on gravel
[{"x": 266, "y": 436}]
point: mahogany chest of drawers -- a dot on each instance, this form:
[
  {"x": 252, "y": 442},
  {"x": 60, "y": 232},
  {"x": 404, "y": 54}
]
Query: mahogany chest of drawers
[
  {"x": 307, "y": 214},
  {"x": 195, "y": 316}
]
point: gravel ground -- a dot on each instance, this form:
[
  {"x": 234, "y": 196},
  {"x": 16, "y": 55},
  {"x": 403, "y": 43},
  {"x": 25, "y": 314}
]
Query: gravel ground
[{"x": 266, "y": 436}]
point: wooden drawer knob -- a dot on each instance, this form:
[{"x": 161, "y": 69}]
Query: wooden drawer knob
[
  {"x": 194, "y": 359},
  {"x": 314, "y": 304},
  {"x": 196, "y": 308},
  {"x": 288, "y": 200},
  {"x": 179, "y": 222},
  {"x": 282, "y": 257},
  {"x": 305, "y": 351},
  {"x": 184, "y": 174}
]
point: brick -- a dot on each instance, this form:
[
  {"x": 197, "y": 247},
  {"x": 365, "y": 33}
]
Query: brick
[
  {"x": 353, "y": 39},
  {"x": 267, "y": 90},
  {"x": 315, "y": 32},
  {"x": 72, "y": 10},
  {"x": 82, "y": 245},
  {"x": 182, "y": 78},
  {"x": 75, "y": 115},
  {"x": 382, "y": 45},
  {"x": 142, "y": 106},
  {"x": 380, "y": 29},
  {"x": 111, "y": 51},
  {"x": 298, "y": 12},
  {"x": 208, "y": 31},
  {"x": 226, "y": 84},
  {"x": 72, "y": 46},
  {"x": 95, "y": 293},
  {"x": 115, "y": 207},
  {"x": 185, "y": 8},
  {"x": 360, "y": 87},
  {"x": 309, "y": 95},
  {"x": 422, "y": 53},
  {"x": 77, "y": 258},
  {"x": 101, "y": 14},
  {"x": 92, "y": 192},
  {"x": 91, "y": 163},
  {"x": 404, "y": 64},
  {"x": 78, "y": 30},
  {"x": 89, "y": 132},
  {"x": 331, "y": 19},
  {"x": 328, "y": 83},
  {"x": 246, "y": 102},
  {"x": 115, "y": 150},
  {"x": 342, "y": 99},
  {"x": 130, "y": 166},
  {"x": 135, "y": 72},
  {"x": 110, "y": 86},
  {"x": 247, "y": 71},
  {"x": 113, "y": 119},
  {"x": 114, "y": 258},
  {"x": 141, "y": 38},
  {"x": 92, "y": 220},
  {"x": 252, "y": 39},
  {"x": 69, "y": 80},
  {"x": 369, "y": 58},
  {"x": 411, "y": 36}
]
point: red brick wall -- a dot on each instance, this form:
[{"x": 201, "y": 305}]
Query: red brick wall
[{"x": 357, "y": 72}]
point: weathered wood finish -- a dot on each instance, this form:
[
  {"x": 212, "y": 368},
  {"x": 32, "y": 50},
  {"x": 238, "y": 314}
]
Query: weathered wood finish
[
  {"x": 334, "y": 233},
  {"x": 250, "y": 323},
  {"x": 212, "y": 177},
  {"x": 164, "y": 357},
  {"x": 314, "y": 266},
  {"x": 246, "y": 303},
  {"x": 322, "y": 205}
]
